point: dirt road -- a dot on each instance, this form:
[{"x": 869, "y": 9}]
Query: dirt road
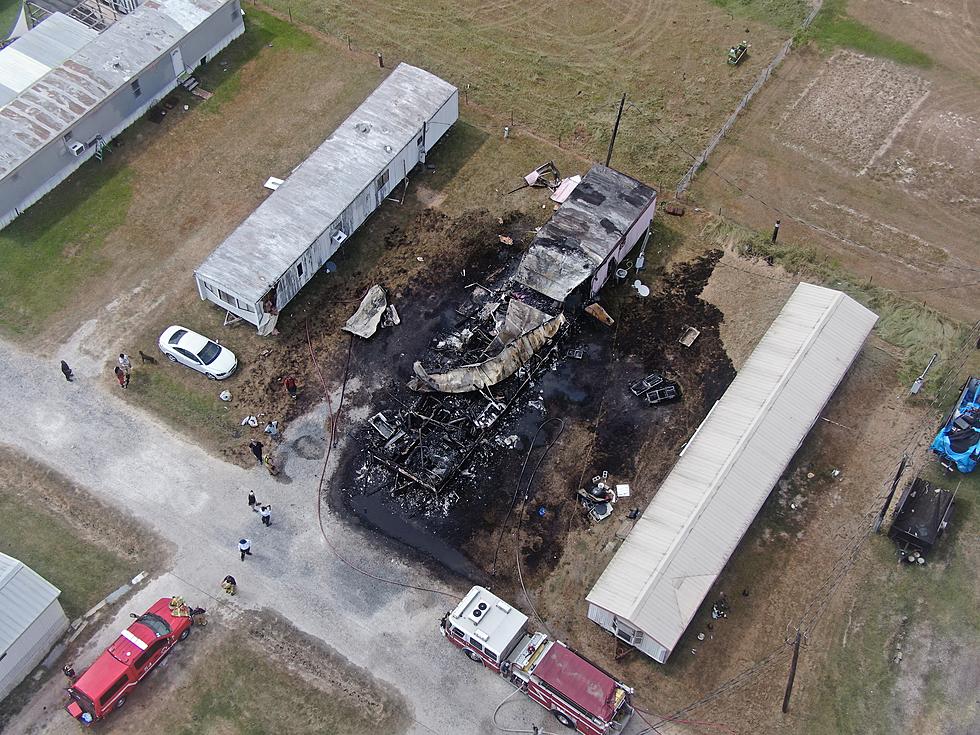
[{"x": 129, "y": 460}]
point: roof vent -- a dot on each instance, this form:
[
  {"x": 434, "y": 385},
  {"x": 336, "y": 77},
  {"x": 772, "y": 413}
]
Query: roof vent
[
  {"x": 363, "y": 127},
  {"x": 478, "y": 612}
]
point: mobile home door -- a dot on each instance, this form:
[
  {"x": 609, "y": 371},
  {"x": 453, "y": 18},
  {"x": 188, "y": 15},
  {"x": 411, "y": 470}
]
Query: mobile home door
[{"x": 178, "y": 62}]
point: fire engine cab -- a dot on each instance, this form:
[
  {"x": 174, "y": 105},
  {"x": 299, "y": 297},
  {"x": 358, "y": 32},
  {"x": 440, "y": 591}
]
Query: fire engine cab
[
  {"x": 577, "y": 692},
  {"x": 104, "y": 686}
]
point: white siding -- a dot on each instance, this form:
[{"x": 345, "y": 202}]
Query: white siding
[
  {"x": 31, "y": 620},
  {"x": 661, "y": 574}
]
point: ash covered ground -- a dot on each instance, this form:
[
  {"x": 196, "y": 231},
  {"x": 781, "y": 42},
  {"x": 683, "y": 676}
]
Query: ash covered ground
[{"x": 470, "y": 471}]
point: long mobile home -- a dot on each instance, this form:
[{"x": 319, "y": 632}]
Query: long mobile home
[{"x": 268, "y": 258}]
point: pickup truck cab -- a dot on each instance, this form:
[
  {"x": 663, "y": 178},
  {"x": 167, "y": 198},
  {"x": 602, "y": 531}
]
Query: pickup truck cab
[{"x": 104, "y": 686}]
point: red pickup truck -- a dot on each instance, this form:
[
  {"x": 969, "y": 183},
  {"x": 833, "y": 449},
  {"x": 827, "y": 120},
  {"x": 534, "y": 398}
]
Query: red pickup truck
[{"x": 103, "y": 687}]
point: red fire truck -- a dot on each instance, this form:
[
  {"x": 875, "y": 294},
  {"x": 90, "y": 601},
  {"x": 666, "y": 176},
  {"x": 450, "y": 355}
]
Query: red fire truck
[
  {"x": 104, "y": 686},
  {"x": 577, "y": 692}
]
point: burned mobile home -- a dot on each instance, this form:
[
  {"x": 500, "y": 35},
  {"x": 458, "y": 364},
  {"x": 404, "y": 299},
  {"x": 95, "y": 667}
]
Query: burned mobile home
[
  {"x": 269, "y": 257},
  {"x": 472, "y": 378}
]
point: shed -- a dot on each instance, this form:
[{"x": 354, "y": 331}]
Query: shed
[
  {"x": 270, "y": 256},
  {"x": 657, "y": 580},
  {"x": 75, "y": 104},
  {"x": 587, "y": 238},
  {"x": 31, "y": 621}
]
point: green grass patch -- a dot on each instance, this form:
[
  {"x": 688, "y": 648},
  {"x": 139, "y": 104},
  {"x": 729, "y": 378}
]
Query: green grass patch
[
  {"x": 238, "y": 689},
  {"x": 9, "y": 10},
  {"x": 222, "y": 75},
  {"x": 834, "y": 28},
  {"x": 47, "y": 252},
  {"x": 917, "y": 329},
  {"x": 182, "y": 406},
  {"x": 84, "y": 572},
  {"x": 785, "y": 14}
]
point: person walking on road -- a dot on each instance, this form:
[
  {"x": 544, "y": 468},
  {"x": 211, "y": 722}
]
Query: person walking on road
[
  {"x": 125, "y": 363},
  {"x": 266, "y": 512},
  {"x": 121, "y": 376},
  {"x": 66, "y": 371},
  {"x": 256, "y": 446},
  {"x": 290, "y": 383},
  {"x": 245, "y": 547},
  {"x": 252, "y": 502},
  {"x": 229, "y": 585}
]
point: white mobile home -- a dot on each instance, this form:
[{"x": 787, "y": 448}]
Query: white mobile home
[
  {"x": 66, "y": 91},
  {"x": 659, "y": 577},
  {"x": 31, "y": 621},
  {"x": 268, "y": 258}
]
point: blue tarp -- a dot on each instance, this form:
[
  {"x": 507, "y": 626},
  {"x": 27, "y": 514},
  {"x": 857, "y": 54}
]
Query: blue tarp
[{"x": 958, "y": 442}]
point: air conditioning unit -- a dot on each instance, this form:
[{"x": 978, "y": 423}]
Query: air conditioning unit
[
  {"x": 339, "y": 236},
  {"x": 76, "y": 148}
]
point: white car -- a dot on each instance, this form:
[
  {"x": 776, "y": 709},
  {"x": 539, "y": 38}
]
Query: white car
[{"x": 187, "y": 347}]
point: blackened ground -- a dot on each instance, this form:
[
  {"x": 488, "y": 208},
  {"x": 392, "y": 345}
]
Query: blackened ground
[{"x": 463, "y": 529}]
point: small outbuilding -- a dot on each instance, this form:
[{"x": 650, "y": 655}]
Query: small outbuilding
[
  {"x": 657, "y": 580},
  {"x": 31, "y": 621},
  {"x": 284, "y": 243}
]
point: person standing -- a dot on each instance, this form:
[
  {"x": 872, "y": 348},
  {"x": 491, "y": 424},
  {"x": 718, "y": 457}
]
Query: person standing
[
  {"x": 252, "y": 502},
  {"x": 125, "y": 363},
  {"x": 69, "y": 671},
  {"x": 266, "y": 513},
  {"x": 244, "y": 548},
  {"x": 66, "y": 371},
  {"x": 229, "y": 585},
  {"x": 121, "y": 376},
  {"x": 256, "y": 446},
  {"x": 290, "y": 383}
]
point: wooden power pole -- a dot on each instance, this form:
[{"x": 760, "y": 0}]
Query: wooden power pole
[
  {"x": 612, "y": 140},
  {"x": 792, "y": 671}
]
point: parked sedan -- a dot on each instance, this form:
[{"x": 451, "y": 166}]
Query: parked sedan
[{"x": 187, "y": 347}]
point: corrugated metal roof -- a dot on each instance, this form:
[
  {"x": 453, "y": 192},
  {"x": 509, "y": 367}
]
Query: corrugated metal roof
[
  {"x": 38, "y": 51},
  {"x": 583, "y": 232},
  {"x": 56, "y": 101},
  {"x": 660, "y": 575},
  {"x": 24, "y": 595},
  {"x": 284, "y": 226}
]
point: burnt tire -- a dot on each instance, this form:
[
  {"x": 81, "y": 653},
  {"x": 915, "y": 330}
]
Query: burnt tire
[
  {"x": 563, "y": 718},
  {"x": 119, "y": 703},
  {"x": 184, "y": 633},
  {"x": 472, "y": 655}
]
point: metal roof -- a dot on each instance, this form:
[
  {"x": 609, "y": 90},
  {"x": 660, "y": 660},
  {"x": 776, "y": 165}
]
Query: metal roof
[
  {"x": 56, "y": 101},
  {"x": 38, "y": 51},
  {"x": 24, "y": 595},
  {"x": 583, "y": 232},
  {"x": 660, "y": 575},
  {"x": 317, "y": 192}
]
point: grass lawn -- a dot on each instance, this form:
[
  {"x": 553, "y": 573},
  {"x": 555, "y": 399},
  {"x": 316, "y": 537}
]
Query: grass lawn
[
  {"x": 785, "y": 14},
  {"x": 9, "y": 10},
  {"x": 239, "y": 684},
  {"x": 834, "y": 28},
  {"x": 47, "y": 252},
  {"x": 82, "y": 570}
]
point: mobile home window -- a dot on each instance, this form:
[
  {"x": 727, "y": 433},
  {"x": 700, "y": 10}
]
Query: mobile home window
[
  {"x": 421, "y": 139},
  {"x": 382, "y": 181},
  {"x": 227, "y": 297},
  {"x": 135, "y": 84},
  {"x": 299, "y": 270}
]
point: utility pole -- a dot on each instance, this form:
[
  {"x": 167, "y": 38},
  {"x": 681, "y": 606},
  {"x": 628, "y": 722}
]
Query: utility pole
[
  {"x": 612, "y": 140},
  {"x": 792, "y": 671}
]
